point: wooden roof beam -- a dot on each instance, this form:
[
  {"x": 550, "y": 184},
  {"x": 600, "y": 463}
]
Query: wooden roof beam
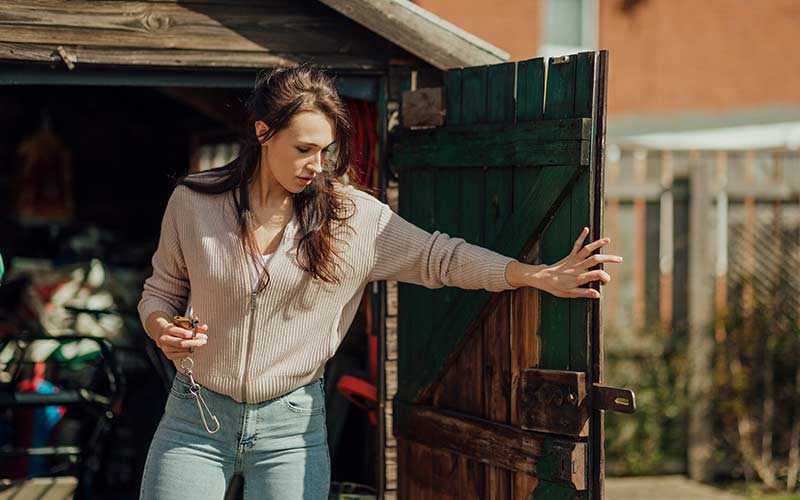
[{"x": 420, "y": 32}]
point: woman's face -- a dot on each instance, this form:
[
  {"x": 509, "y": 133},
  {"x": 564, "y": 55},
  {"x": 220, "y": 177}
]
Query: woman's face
[{"x": 297, "y": 154}]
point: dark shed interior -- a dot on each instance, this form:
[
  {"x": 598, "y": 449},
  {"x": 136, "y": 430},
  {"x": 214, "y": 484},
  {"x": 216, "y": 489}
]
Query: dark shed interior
[{"x": 118, "y": 148}]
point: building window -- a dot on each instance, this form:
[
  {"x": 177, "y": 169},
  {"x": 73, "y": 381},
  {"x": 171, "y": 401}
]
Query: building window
[{"x": 568, "y": 26}]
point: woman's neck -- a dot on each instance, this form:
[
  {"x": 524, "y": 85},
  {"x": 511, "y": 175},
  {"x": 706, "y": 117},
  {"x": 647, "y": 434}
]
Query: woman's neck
[{"x": 266, "y": 193}]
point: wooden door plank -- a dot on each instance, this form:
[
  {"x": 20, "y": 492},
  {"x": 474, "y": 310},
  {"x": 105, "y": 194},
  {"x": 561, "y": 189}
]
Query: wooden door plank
[
  {"x": 560, "y": 92},
  {"x": 473, "y": 95},
  {"x": 525, "y": 351},
  {"x": 565, "y": 322},
  {"x": 581, "y": 212},
  {"x": 470, "y": 89},
  {"x": 530, "y": 106},
  {"x": 447, "y": 475},
  {"x": 496, "y": 361},
  {"x": 452, "y": 81},
  {"x": 418, "y": 315},
  {"x": 549, "y": 458},
  {"x": 499, "y": 199},
  {"x": 565, "y": 331},
  {"x": 444, "y": 474},
  {"x": 579, "y": 308},
  {"x": 448, "y": 220},
  {"x": 500, "y": 99},
  {"x": 496, "y": 385},
  {"x": 420, "y": 475},
  {"x": 500, "y": 92},
  {"x": 461, "y": 391},
  {"x": 461, "y": 386},
  {"x": 551, "y": 142},
  {"x": 523, "y": 486},
  {"x": 556, "y": 329},
  {"x": 530, "y": 89},
  {"x": 473, "y": 198},
  {"x": 525, "y": 342}
]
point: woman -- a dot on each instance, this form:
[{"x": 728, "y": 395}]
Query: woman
[{"x": 276, "y": 252}]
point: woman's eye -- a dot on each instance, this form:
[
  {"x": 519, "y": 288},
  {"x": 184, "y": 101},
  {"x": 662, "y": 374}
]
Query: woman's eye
[{"x": 303, "y": 150}]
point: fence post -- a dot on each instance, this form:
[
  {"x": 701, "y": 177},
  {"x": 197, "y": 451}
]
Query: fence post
[
  {"x": 700, "y": 308},
  {"x": 721, "y": 280},
  {"x": 666, "y": 250}
]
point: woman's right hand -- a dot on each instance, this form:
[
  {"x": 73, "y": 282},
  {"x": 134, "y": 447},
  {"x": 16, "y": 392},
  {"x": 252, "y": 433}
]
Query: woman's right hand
[{"x": 175, "y": 341}]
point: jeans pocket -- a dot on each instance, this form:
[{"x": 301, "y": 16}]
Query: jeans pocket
[
  {"x": 308, "y": 399},
  {"x": 180, "y": 387}
]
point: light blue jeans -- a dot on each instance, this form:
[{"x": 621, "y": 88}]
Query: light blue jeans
[{"x": 279, "y": 447}]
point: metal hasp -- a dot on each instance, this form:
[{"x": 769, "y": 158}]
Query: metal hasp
[
  {"x": 556, "y": 401},
  {"x": 613, "y": 398}
]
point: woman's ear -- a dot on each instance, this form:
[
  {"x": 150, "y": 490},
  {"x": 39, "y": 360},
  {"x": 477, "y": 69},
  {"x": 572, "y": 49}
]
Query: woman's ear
[{"x": 261, "y": 130}]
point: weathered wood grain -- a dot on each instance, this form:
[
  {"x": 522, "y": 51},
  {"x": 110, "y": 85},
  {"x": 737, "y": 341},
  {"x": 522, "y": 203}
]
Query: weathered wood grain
[
  {"x": 501, "y": 445},
  {"x": 554, "y": 142},
  {"x": 524, "y": 226},
  {"x": 554, "y": 401}
]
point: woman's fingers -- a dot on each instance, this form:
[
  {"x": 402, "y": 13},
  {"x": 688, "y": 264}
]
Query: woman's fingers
[
  {"x": 177, "y": 352},
  {"x": 591, "y": 247},
  {"x": 176, "y": 331},
  {"x": 176, "y": 342},
  {"x": 170, "y": 342},
  {"x": 576, "y": 247},
  {"x": 598, "y": 258},
  {"x": 589, "y": 293},
  {"x": 595, "y": 275}
]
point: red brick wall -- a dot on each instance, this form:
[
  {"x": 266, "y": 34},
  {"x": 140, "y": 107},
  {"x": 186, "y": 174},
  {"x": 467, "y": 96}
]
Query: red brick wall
[
  {"x": 666, "y": 55},
  {"x": 712, "y": 55}
]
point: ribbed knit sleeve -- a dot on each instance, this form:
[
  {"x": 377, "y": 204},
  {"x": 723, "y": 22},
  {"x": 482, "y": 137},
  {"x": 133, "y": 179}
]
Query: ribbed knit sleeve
[
  {"x": 167, "y": 289},
  {"x": 407, "y": 253}
]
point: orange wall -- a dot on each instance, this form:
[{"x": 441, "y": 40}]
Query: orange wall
[
  {"x": 512, "y": 25},
  {"x": 666, "y": 55},
  {"x": 713, "y": 55}
]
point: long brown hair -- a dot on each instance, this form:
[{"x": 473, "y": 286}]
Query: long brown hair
[{"x": 279, "y": 94}]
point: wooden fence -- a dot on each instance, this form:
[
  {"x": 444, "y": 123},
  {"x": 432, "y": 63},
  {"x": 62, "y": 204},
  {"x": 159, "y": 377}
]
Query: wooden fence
[
  {"x": 708, "y": 236},
  {"x": 750, "y": 213}
]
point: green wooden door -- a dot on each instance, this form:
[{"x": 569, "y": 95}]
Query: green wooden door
[{"x": 497, "y": 393}]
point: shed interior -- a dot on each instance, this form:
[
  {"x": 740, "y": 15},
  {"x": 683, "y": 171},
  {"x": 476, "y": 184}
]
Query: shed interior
[{"x": 84, "y": 178}]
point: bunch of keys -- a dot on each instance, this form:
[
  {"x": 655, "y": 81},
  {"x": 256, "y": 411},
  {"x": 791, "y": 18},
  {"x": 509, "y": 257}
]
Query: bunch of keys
[{"x": 186, "y": 364}]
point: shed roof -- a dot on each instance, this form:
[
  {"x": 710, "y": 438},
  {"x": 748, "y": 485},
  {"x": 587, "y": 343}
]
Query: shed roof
[
  {"x": 235, "y": 34},
  {"x": 420, "y": 32}
]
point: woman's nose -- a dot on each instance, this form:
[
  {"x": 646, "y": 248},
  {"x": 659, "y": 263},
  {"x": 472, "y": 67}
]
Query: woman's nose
[{"x": 316, "y": 165}]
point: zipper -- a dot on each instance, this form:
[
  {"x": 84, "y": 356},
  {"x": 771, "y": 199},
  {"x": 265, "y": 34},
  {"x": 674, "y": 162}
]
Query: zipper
[
  {"x": 248, "y": 342},
  {"x": 253, "y": 306}
]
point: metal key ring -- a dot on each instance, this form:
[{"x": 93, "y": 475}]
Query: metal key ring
[{"x": 187, "y": 364}]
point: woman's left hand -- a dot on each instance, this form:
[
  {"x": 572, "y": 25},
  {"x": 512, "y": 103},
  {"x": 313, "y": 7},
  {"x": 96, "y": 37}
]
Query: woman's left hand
[{"x": 565, "y": 277}]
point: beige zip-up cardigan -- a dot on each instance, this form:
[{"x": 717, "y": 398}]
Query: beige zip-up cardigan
[{"x": 265, "y": 344}]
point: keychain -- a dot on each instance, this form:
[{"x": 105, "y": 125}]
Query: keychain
[{"x": 187, "y": 363}]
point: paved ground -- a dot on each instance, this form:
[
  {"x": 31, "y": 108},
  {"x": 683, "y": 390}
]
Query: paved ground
[{"x": 662, "y": 488}]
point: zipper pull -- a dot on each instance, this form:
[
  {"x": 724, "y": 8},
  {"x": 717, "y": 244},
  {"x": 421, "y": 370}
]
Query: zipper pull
[{"x": 253, "y": 301}]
